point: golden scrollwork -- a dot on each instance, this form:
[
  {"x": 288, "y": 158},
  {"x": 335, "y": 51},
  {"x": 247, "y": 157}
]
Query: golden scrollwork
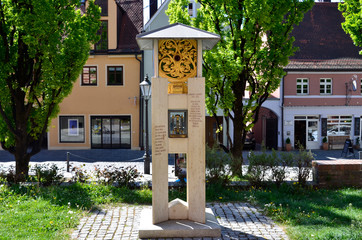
[{"x": 177, "y": 62}]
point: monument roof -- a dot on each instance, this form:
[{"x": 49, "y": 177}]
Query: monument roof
[{"x": 178, "y": 31}]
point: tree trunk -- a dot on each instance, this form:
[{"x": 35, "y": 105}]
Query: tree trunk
[
  {"x": 22, "y": 159},
  {"x": 237, "y": 149}
]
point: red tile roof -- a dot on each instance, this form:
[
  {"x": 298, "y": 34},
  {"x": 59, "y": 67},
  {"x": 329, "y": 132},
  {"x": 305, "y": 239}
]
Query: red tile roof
[
  {"x": 322, "y": 42},
  {"x": 129, "y": 24}
]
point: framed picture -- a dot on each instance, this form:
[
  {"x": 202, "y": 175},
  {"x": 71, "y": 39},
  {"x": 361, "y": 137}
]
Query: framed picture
[
  {"x": 73, "y": 127},
  {"x": 177, "y": 121}
]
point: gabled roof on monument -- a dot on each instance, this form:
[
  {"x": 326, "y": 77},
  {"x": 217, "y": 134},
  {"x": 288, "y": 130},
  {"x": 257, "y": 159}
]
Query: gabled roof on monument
[{"x": 178, "y": 31}]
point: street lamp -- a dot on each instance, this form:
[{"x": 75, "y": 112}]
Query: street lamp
[{"x": 146, "y": 93}]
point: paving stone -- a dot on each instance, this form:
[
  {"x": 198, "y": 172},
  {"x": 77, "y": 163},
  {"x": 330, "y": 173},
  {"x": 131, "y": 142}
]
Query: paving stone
[{"x": 239, "y": 221}]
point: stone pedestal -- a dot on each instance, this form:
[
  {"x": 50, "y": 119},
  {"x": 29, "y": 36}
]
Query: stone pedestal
[{"x": 178, "y": 228}]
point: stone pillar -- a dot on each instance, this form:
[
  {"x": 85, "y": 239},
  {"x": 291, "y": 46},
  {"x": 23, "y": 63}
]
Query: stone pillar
[
  {"x": 196, "y": 150},
  {"x": 159, "y": 150}
]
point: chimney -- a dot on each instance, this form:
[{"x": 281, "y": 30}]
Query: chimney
[{"x": 153, "y": 7}]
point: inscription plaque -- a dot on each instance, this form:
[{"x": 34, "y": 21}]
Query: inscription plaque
[
  {"x": 159, "y": 136},
  {"x": 195, "y": 109}
]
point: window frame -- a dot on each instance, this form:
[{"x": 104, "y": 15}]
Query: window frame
[
  {"x": 108, "y": 75},
  {"x": 324, "y": 85},
  {"x": 302, "y": 83},
  {"x": 80, "y": 131},
  {"x": 82, "y": 75}
]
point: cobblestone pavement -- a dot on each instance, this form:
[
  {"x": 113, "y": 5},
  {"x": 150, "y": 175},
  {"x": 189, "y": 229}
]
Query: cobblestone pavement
[{"x": 239, "y": 221}]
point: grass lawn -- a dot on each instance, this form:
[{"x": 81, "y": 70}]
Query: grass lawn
[{"x": 49, "y": 213}]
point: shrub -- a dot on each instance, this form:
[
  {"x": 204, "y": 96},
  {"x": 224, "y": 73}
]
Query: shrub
[
  {"x": 79, "y": 175},
  {"x": 303, "y": 161},
  {"x": 47, "y": 175},
  {"x": 259, "y": 165},
  {"x": 280, "y": 170},
  {"x": 217, "y": 165},
  {"x": 124, "y": 176},
  {"x": 8, "y": 175}
]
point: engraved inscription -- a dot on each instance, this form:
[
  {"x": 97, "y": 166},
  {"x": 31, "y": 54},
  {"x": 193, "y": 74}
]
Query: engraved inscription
[
  {"x": 195, "y": 114},
  {"x": 160, "y": 132}
]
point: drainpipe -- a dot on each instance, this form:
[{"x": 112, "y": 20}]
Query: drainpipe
[
  {"x": 282, "y": 103},
  {"x": 141, "y": 138}
]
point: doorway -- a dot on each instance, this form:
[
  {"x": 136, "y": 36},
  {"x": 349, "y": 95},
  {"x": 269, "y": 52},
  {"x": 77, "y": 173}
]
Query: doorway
[
  {"x": 306, "y": 132},
  {"x": 271, "y": 138},
  {"x": 111, "y": 132},
  {"x": 300, "y": 133}
]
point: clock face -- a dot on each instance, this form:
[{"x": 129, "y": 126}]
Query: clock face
[{"x": 177, "y": 59}]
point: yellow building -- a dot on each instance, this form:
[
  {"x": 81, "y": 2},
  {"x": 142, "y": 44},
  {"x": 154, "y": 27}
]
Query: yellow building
[{"x": 103, "y": 110}]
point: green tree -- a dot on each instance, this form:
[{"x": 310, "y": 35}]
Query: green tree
[
  {"x": 352, "y": 13},
  {"x": 247, "y": 64},
  {"x": 43, "y": 46}
]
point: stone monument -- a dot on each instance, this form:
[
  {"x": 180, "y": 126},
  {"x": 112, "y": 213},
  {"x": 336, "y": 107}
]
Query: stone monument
[{"x": 178, "y": 126}]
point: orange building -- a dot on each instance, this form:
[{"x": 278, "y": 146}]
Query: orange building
[{"x": 103, "y": 110}]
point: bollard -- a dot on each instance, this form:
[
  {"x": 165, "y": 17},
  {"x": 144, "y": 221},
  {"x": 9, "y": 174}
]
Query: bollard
[{"x": 68, "y": 154}]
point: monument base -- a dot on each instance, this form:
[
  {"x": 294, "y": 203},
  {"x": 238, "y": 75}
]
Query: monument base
[{"x": 178, "y": 228}]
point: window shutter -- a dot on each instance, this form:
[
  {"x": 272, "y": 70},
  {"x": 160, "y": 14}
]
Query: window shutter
[
  {"x": 357, "y": 126},
  {"x": 324, "y": 127}
]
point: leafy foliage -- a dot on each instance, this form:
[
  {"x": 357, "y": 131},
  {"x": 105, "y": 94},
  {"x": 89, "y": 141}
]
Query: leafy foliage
[
  {"x": 80, "y": 175},
  {"x": 247, "y": 64},
  {"x": 7, "y": 175},
  {"x": 303, "y": 161},
  {"x": 279, "y": 172},
  {"x": 123, "y": 176},
  {"x": 352, "y": 12},
  {"x": 266, "y": 167},
  {"x": 217, "y": 166},
  {"x": 258, "y": 167},
  {"x": 43, "y": 46},
  {"x": 47, "y": 175}
]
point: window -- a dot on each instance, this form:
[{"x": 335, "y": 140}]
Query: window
[
  {"x": 115, "y": 75},
  {"x": 89, "y": 76},
  {"x": 191, "y": 9},
  {"x": 302, "y": 86},
  {"x": 339, "y": 125},
  {"x": 103, "y": 5},
  {"x": 102, "y": 45},
  {"x": 325, "y": 86},
  {"x": 71, "y": 129}
]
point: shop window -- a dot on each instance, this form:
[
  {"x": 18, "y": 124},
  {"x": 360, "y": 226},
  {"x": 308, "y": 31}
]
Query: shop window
[
  {"x": 339, "y": 125},
  {"x": 71, "y": 129},
  {"x": 325, "y": 86},
  {"x": 89, "y": 76},
  {"x": 302, "y": 86},
  {"x": 102, "y": 44},
  {"x": 115, "y": 75}
]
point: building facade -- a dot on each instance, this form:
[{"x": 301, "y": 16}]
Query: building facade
[
  {"x": 322, "y": 94},
  {"x": 103, "y": 110}
]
